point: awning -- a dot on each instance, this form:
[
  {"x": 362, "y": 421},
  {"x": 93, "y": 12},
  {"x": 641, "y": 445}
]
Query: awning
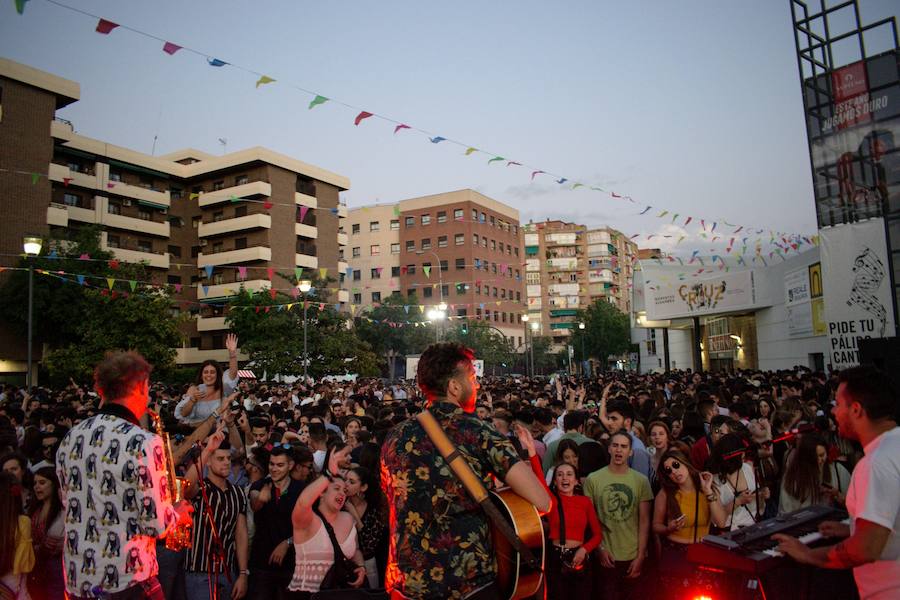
[
  {"x": 152, "y": 204},
  {"x": 137, "y": 169},
  {"x": 246, "y": 374}
]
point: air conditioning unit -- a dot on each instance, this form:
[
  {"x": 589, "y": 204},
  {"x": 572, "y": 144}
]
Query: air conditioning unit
[
  {"x": 203, "y": 243},
  {"x": 126, "y": 202}
]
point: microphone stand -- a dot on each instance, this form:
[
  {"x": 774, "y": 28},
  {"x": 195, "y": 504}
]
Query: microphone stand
[{"x": 216, "y": 550}]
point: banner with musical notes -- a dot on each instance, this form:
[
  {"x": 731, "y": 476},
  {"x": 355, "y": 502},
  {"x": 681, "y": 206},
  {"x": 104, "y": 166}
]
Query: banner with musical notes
[{"x": 857, "y": 287}]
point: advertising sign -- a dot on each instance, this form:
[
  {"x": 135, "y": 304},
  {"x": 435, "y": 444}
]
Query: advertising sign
[
  {"x": 702, "y": 296},
  {"x": 858, "y": 301},
  {"x": 797, "y": 300}
]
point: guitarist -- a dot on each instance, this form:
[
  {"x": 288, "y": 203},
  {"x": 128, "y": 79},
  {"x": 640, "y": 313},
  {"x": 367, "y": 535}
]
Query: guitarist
[{"x": 440, "y": 545}]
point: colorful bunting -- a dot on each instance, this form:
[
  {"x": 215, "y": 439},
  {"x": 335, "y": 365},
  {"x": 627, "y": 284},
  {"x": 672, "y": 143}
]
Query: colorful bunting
[
  {"x": 495, "y": 159},
  {"x": 170, "y": 48},
  {"x": 365, "y": 115},
  {"x": 104, "y": 26},
  {"x": 470, "y": 150},
  {"x": 317, "y": 101},
  {"x": 20, "y": 6},
  {"x": 263, "y": 80},
  {"x": 533, "y": 173},
  {"x": 215, "y": 62},
  {"x": 360, "y": 117},
  {"x": 209, "y": 271},
  {"x": 437, "y": 139}
]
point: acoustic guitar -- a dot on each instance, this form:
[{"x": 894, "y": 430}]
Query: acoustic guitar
[{"x": 517, "y": 532}]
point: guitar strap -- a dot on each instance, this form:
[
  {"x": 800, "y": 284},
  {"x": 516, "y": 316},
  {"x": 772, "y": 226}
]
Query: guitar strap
[{"x": 473, "y": 485}]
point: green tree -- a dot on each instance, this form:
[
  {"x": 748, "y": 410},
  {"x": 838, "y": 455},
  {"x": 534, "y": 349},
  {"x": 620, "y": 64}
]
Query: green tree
[
  {"x": 80, "y": 322},
  {"x": 607, "y": 332},
  {"x": 270, "y": 329},
  {"x": 544, "y": 360},
  {"x": 489, "y": 344},
  {"x": 394, "y": 329}
]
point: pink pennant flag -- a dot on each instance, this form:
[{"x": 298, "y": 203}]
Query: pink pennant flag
[
  {"x": 104, "y": 26},
  {"x": 396, "y": 129},
  {"x": 321, "y": 306},
  {"x": 272, "y": 293},
  {"x": 67, "y": 181},
  {"x": 361, "y": 116},
  {"x": 533, "y": 173},
  {"x": 303, "y": 211},
  {"x": 242, "y": 273},
  {"x": 170, "y": 48},
  {"x": 110, "y": 185},
  {"x": 294, "y": 293},
  {"x": 177, "y": 288}
]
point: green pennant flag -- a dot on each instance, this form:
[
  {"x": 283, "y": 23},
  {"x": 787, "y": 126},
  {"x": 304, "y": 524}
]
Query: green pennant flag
[
  {"x": 20, "y": 6},
  {"x": 133, "y": 284},
  {"x": 298, "y": 273},
  {"x": 496, "y": 158},
  {"x": 577, "y": 185},
  {"x": 396, "y": 210},
  {"x": 427, "y": 270},
  {"x": 317, "y": 101},
  {"x": 34, "y": 178}
]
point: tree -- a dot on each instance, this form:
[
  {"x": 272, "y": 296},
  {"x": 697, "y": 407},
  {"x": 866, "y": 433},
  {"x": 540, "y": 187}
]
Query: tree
[
  {"x": 270, "y": 329},
  {"x": 394, "y": 330},
  {"x": 544, "y": 360},
  {"x": 607, "y": 332},
  {"x": 490, "y": 345},
  {"x": 116, "y": 306}
]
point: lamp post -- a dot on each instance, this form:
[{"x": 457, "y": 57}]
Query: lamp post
[
  {"x": 435, "y": 315},
  {"x": 304, "y": 286},
  {"x": 525, "y": 319},
  {"x": 581, "y": 328},
  {"x": 534, "y": 327},
  {"x": 32, "y": 245}
]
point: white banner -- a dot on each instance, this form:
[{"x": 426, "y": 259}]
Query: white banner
[
  {"x": 858, "y": 301},
  {"x": 702, "y": 296},
  {"x": 796, "y": 286}
]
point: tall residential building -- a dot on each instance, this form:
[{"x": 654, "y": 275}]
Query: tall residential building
[
  {"x": 567, "y": 267},
  {"x": 461, "y": 248},
  {"x": 204, "y": 224}
]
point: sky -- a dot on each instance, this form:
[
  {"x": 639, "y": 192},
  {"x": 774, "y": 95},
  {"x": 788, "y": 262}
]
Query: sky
[{"x": 692, "y": 107}]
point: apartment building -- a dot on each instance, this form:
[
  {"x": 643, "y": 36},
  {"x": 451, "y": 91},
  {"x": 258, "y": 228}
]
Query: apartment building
[
  {"x": 459, "y": 248},
  {"x": 568, "y": 267},
  {"x": 205, "y": 224}
]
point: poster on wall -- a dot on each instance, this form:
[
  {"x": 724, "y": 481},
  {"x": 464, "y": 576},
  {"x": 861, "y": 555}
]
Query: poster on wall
[
  {"x": 857, "y": 289},
  {"x": 797, "y": 301},
  {"x": 702, "y": 296}
]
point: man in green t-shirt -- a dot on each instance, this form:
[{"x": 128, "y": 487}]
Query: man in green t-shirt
[{"x": 622, "y": 498}]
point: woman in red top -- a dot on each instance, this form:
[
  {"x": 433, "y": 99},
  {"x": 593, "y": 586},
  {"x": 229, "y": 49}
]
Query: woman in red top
[{"x": 568, "y": 558}]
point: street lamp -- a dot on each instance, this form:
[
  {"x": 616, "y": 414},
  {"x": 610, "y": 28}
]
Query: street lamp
[
  {"x": 435, "y": 315},
  {"x": 304, "y": 286},
  {"x": 525, "y": 319},
  {"x": 581, "y": 328},
  {"x": 32, "y": 245},
  {"x": 534, "y": 327}
]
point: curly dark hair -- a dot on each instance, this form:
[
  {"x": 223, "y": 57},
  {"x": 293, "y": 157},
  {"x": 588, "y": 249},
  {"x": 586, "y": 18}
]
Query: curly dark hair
[
  {"x": 438, "y": 365},
  {"x": 118, "y": 372}
]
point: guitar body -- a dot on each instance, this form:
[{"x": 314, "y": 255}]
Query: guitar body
[{"x": 514, "y": 578}]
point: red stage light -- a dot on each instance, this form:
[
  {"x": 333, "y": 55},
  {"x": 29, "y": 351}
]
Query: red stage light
[{"x": 702, "y": 597}]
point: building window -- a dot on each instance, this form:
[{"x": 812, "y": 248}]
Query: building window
[
  {"x": 357, "y": 274},
  {"x": 241, "y": 180},
  {"x": 482, "y": 218},
  {"x": 445, "y": 290},
  {"x": 427, "y": 292},
  {"x": 395, "y": 224},
  {"x": 176, "y": 221},
  {"x": 483, "y": 242},
  {"x": 518, "y": 296},
  {"x": 113, "y": 241},
  {"x": 442, "y": 216},
  {"x": 442, "y": 241},
  {"x": 195, "y": 251},
  {"x": 218, "y": 279},
  {"x": 173, "y": 279},
  {"x": 492, "y": 221},
  {"x": 410, "y": 246},
  {"x": 411, "y": 269},
  {"x": 461, "y": 289},
  {"x": 145, "y": 215},
  {"x": 411, "y": 293},
  {"x": 444, "y": 265},
  {"x": 503, "y": 293},
  {"x": 175, "y": 251},
  {"x": 240, "y": 243},
  {"x": 395, "y": 271},
  {"x": 355, "y": 252},
  {"x": 457, "y": 214},
  {"x": 460, "y": 263},
  {"x": 494, "y": 268},
  {"x": 374, "y": 273},
  {"x": 113, "y": 176},
  {"x": 144, "y": 246},
  {"x": 426, "y": 219},
  {"x": 195, "y": 222},
  {"x": 240, "y": 211},
  {"x": 114, "y": 208},
  {"x": 395, "y": 248},
  {"x": 376, "y": 296},
  {"x": 474, "y": 215},
  {"x": 71, "y": 199},
  {"x": 474, "y": 239},
  {"x": 219, "y": 185},
  {"x": 357, "y": 298},
  {"x": 218, "y": 216},
  {"x": 495, "y": 292},
  {"x": 375, "y": 250},
  {"x": 459, "y": 239},
  {"x": 375, "y": 226},
  {"x": 426, "y": 243},
  {"x": 354, "y": 229},
  {"x": 494, "y": 245}
]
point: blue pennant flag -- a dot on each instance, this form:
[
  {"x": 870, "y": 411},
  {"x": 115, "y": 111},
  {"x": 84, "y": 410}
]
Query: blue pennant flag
[
  {"x": 437, "y": 139},
  {"x": 80, "y": 279},
  {"x": 215, "y": 62},
  {"x": 205, "y": 289},
  {"x": 209, "y": 270},
  {"x": 406, "y": 308}
]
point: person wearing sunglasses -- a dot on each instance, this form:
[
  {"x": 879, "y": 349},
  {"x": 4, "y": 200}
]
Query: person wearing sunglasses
[{"x": 684, "y": 508}]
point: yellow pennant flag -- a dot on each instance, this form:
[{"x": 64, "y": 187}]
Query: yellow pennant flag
[
  {"x": 264, "y": 80},
  {"x": 323, "y": 273},
  {"x": 471, "y": 150},
  {"x": 110, "y": 282},
  {"x": 422, "y": 308}
]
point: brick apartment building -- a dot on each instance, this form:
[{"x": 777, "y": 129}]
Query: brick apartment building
[
  {"x": 180, "y": 213},
  {"x": 461, "y": 248}
]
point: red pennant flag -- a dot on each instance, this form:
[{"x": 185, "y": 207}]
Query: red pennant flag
[
  {"x": 270, "y": 272},
  {"x": 257, "y": 310},
  {"x": 361, "y": 116},
  {"x": 268, "y": 205},
  {"x": 688, "y": 220},
  {"x": 615, "y": 195},
  {"x": 114, "y": 265},
  {"x": 533, "y": 173},
  {"x": 267, "y": 309},
  {"x": 104, "y": 26},
  {"x": 170, "y": 48},
  {"x": 271, "y": 294},
  {"x": 396, "y": 129},
  {"x": 66, "y": 181},
  {"x": 303, "y": 211},
  {"x": 321, "y": 306}
]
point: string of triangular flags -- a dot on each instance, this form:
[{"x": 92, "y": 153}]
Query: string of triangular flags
[{"x": 106, "y": 26}]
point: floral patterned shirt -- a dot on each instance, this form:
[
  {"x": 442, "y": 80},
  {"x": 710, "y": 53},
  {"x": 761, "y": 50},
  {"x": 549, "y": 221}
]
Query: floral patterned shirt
[{"x": 440, "y": 546}]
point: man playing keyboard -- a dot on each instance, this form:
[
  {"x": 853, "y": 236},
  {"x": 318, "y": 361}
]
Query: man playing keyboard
[{"x": 865, "y": 411}]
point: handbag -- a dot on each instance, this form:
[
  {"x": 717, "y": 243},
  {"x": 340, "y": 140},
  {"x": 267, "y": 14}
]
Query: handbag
[
  {"x": 566, "y": 556},
  {"x": 336, "y": 583}
]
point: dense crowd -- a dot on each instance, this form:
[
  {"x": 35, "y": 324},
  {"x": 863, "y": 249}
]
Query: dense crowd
[{"x": 638, "y": 468}]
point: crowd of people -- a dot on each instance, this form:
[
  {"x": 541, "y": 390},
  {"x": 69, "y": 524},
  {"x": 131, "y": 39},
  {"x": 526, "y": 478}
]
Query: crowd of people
[{"x": 627, "y": 470}]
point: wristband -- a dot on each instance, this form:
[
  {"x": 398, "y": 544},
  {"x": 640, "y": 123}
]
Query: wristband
[
  {"x": 244, "y": 572},
  {"x": 711, "y": 497}
]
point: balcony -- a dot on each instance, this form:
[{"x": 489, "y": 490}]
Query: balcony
[
  {"x": 132, "y": 224},
  {"x": 343, "y": 296},
  {"x": 141, "y": 194},
  {"x": 343, "y": 266},
  {"x": 226, "y": 290},
  {"x": 60, "y": 173},
  {"x": 57, "y": 215},
  {"x": 343, "y": 240},
  {"x": 234, "y": 256},
  {"x": 341, "y": 211},
  {"x": 61, "y": 129},
  {"x": 246, "y": 190},
  {"x": 306, "y": 261},
  {"x": 305, "y": 200},
  {"x": 160, "y": 261},
  {"x": 236, "y": 224},
  {"x": 307, "y": 231},
  {"x": 211, "y": 323}
]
